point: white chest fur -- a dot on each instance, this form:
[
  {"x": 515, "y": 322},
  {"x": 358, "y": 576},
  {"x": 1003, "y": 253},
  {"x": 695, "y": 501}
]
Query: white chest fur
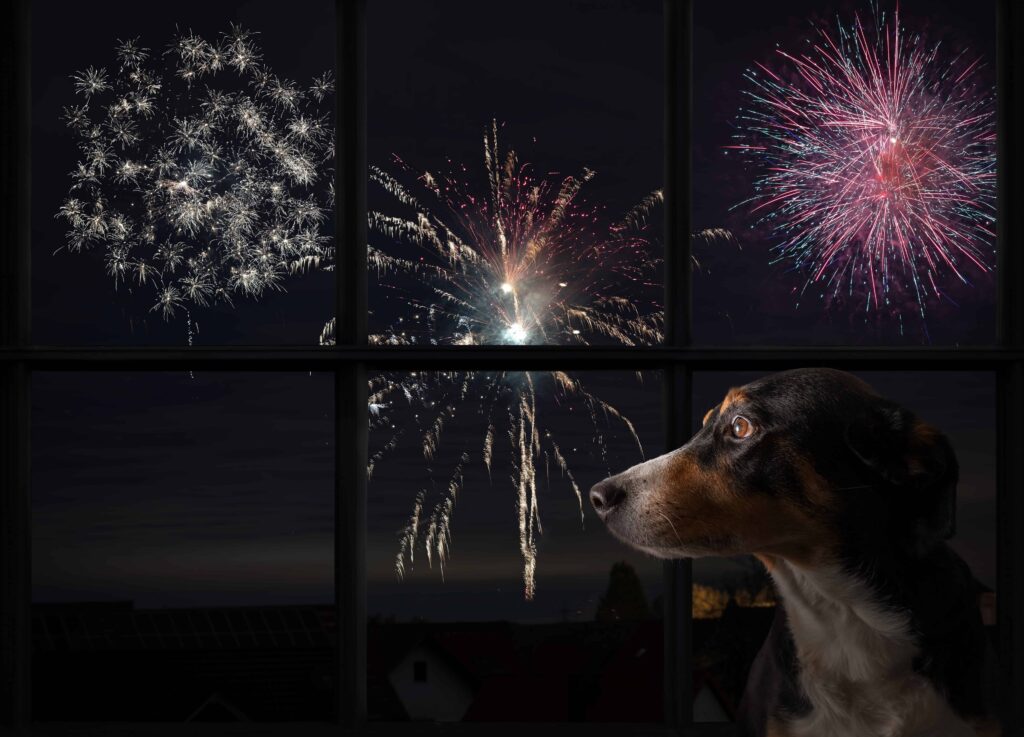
[{"x": 856, "y": 662}]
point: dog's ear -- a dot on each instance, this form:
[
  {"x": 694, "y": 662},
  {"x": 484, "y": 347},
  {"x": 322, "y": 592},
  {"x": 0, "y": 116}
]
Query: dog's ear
[{"x": 914, "y": 462}]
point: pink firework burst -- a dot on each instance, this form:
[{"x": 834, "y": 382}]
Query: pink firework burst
[{"x": 875, "y": 152}]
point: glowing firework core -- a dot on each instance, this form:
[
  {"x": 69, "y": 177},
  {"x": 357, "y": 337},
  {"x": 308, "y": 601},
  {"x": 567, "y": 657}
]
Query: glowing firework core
[
  {"x": 516, "y": 333},
  {"x": 507, "y": 288}
]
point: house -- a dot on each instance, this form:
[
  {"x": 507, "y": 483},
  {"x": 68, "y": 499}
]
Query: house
[
  {"x": 431, "y": 684},
  {"x": 710, "y": 702}
]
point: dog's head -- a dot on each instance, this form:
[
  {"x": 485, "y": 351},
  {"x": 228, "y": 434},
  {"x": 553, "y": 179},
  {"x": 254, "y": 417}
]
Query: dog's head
[{"x": 798, "y": 464}]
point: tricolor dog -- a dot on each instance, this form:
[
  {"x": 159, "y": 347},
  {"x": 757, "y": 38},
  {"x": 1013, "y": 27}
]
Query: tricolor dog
[{"x": 846, "y": 498}]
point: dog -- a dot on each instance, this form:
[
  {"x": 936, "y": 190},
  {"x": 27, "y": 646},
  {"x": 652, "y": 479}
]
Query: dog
[{"x": 846, "y": 498}]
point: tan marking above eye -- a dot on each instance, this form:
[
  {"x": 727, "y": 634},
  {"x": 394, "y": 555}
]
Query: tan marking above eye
[
  {"x": 734, "y": 396},
  {"x": 741, "y": 427}
]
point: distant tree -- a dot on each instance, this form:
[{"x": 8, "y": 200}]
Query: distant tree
[{"x": 625, "y": 598}]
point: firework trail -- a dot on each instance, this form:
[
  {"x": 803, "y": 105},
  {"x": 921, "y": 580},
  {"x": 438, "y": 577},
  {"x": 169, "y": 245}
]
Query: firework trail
[
  {"x": 203, "y": 175},
  {"x": 515, "y": 259},
  {"x": 876, "y": 160}
]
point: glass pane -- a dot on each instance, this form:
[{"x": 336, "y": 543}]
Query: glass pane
[
  {"x": 515, "y": 172},
  {"x": 734, "y": 597},
  {"x": 844, "y": 172},
  {"x": 183, "y": 167},
  {"x": 182, "y": 559},
  {"x": 489, "y": 573}
]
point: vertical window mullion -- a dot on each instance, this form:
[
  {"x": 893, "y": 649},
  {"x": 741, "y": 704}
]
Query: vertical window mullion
[
  {"x": 350, "y": 176},
  {"x": 350, "y": 541},
  {"x": 15, "y": 283},
  {"x": 1009, "y": 114},
  {"x": 1010, "y": 544},
  {"x": 678, "y": 574},
  {"x": 1010, "y": 331},
  {"x": 678, "y": 684},
  {"x": 15, "y": 548},
  {"x": 678, "y": 102},
  {"x": 15, "y": 326},
  {"x": 350, "y": 380}
]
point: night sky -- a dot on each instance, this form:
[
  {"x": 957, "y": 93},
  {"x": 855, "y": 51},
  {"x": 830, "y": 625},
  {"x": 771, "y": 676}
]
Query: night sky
[{"x": 175, "y": 490}]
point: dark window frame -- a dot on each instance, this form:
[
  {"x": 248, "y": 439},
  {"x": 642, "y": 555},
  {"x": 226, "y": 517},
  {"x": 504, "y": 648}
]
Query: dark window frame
[{"x": 352, "y": 357}]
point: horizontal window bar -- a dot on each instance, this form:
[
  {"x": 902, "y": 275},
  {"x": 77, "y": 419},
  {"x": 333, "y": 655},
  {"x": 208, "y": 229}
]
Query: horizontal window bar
[
  {"x": 398, "y": 729},
  {"x": 507, "y": 357}
]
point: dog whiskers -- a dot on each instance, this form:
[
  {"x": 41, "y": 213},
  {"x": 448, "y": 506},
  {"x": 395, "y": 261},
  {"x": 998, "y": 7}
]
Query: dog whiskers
[{"x": 674, "y": 531}]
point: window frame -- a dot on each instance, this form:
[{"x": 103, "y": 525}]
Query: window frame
[{"x": 352, "y": 357}]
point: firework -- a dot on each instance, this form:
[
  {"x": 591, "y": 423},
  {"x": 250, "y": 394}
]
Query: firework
[
  {"x": 203, "y": 175},
  {"x": 521, "y": 263},
  {"x": 516, "y": 259},
  {"x": 876, "y": 159}
]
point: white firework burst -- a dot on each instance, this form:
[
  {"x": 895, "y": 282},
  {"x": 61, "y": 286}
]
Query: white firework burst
[{"x": 203, "y": 175}]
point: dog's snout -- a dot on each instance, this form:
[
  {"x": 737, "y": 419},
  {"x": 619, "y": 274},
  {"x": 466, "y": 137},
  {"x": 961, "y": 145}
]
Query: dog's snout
[{"x": 607, "y": 495}]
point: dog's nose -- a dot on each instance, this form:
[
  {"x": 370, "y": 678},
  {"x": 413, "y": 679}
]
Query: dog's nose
[{"x": 607, "y": 495}]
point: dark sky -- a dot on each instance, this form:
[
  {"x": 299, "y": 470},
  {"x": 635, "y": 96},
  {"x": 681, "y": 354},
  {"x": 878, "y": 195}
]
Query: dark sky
[
  {"x": 179, "y": 491},
  {"x": 174, "y": 490}
]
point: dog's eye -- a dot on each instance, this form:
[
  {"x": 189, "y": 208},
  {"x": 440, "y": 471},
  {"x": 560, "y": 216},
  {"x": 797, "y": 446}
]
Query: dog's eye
[{"x": 742, "y": 428}]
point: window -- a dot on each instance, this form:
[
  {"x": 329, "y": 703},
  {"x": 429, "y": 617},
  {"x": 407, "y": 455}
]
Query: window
[{"x": 52, "y": 337}]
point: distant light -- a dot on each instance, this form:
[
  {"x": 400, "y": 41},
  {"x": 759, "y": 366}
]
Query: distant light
[
  {"x": 563, "y": 283},
  {"x": 892, "y": 140},
  {"x": 516, "y": 333},
  {"x": 575, "y": 332},
  {"x": 506, "y": 288}
]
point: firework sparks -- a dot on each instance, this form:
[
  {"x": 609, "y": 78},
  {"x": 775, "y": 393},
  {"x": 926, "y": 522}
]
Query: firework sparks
[
  {"x": 524, "y": 263},
  {"x": 876, "y": 160},
  {"x": 203, "y": 175}
]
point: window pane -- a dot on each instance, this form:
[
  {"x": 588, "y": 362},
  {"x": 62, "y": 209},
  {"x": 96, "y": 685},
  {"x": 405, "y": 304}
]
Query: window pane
[
  {"x": 515, "y": 172},
  {"x": 183, "y": 166},
  {"x": 844, "y": 172},
  {"x": 182, "y": 561},
  {"x": 734, "y": 597},
  {"x": 489, "y": 573}
]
